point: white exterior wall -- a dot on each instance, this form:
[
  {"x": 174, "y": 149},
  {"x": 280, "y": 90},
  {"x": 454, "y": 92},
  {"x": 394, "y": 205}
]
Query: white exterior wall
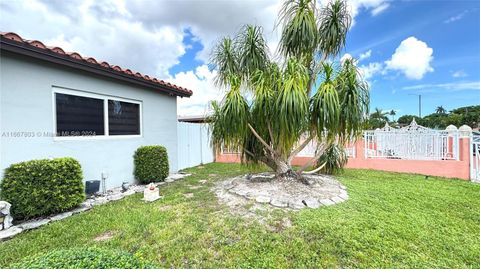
[
  {"x": 26, "y": 105},
  {"x": 193, "y": 145}
]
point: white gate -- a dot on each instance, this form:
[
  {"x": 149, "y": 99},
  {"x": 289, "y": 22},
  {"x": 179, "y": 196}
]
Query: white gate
[
  {"x": 475, "y": 159},
  {"x": 193, "y": 145},
  {"x": 413, "y": 142}
]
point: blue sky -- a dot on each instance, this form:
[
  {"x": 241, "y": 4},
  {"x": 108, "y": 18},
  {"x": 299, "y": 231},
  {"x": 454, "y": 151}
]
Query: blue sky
[
  {"x": 405, "y": 47},
  {"x": 450, "y": 28}
]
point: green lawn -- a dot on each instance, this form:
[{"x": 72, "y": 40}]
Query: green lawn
[{"x": 390, "y": 220}]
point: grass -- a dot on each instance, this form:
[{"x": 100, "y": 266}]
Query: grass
[{"x": 391, "y": 220}]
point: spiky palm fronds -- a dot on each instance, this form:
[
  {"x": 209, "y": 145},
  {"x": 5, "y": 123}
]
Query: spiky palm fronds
[
  {"x": 334, "y": 22},
  {"x": 335, "y": 158}
]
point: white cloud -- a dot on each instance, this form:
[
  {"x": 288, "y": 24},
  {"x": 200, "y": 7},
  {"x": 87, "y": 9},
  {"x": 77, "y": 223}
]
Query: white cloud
[
  {"x": 368, "y": 71},
  {"x": 365, "y": 55},
  {"x": 105, "y": 32},
  {"x": 459, "y": 74},
  {"x": 456, "y": 17},
  {"x": 201, "y": 81},
  {"x": 345, "y": 56},
  {"x": 412, "y": 57},
  {"x": 453, "y": 86},
  {"x": 379, "y": 9},
  {"x": 147, "y": 36},
  {"x": 355, "y": 6}
]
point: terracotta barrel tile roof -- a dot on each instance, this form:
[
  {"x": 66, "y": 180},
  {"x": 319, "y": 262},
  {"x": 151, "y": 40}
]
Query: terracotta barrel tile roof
[{"x": 76, "y": 56}]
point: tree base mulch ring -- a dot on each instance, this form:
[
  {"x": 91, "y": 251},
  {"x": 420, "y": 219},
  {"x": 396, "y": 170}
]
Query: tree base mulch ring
[{"x": 264, "y": 191}]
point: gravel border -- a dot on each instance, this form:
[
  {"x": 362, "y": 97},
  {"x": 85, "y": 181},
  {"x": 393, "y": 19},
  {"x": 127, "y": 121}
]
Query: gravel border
[{"x": 114, "y": 194}]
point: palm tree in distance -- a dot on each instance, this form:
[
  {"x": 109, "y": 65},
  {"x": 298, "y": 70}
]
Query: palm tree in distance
[
  {"x": 440, "y": 110},
  {"x": 393, "y": 113}
]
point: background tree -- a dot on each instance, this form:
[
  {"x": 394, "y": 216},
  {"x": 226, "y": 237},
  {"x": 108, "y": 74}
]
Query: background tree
[
  {"x": 440, "y": 110},
  {"x": 407, "y": 119},
  {"x": 377, "y": 119},
  {"x": 297, "y": 98},
  {"x": 393, "y": 113}
]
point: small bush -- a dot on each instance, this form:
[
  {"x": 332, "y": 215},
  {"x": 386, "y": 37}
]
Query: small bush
[
  {"x": 335, "y": 158},
  {"x": 83, "y": 258},
  {"x": 151, "y": 164},
  {"x": 42, "y": 187}
]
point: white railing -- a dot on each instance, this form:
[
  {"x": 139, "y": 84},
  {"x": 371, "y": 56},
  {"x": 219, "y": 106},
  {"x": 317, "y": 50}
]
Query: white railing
[
  {"x": 413, "y": 142},
  {"x": 475, "y": 158}
]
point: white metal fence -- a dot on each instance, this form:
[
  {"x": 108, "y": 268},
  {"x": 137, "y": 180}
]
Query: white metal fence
[
  {"x": 475, "y": 159},
  {"x": 193, "y": 144},
  {"x": 413, "y": 142}
]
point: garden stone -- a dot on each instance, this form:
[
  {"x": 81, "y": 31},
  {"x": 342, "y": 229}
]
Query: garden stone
[
  {"x": 115, "y": 197},
  {"x": 263, "y": 199},
  {"x": 278, "y": 203},
  {"x": 337, "y": 199},
  {"x": 327, "y": 202},
  {"x": 61, "y": 216},
  {"x": 5, "y": 210},
  {"x": 33, "y": 224},
  {"x": 169, "y": 180},
  {"x": 82, "y": 208},
  {"x": 129, "y": 192},
  {"x": 203, "y": 181},
  {"x": 100, "y": 201},
  {"x": 312, "y": 203},
  {"x": 343, "y": 195},
  {"x": 296, "y": 204},
  {"x": 188, "y": 195},
  {"x": 10, "y": 232}
]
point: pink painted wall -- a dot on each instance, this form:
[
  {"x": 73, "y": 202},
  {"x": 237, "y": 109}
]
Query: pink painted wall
[{"x": 442, "y": 168}]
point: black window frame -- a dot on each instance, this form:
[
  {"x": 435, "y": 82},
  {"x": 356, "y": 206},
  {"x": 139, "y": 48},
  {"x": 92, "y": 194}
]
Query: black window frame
[{"x": 106, "y": 100}]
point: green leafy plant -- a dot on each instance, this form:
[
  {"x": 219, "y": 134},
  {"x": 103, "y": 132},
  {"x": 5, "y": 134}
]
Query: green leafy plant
[
  {"x": 294, "y": 97},
  {"x": 83, "y": 258},
  {"x": 43, "y": 187},
  {"x": 334, "y": 159},
  {"x": 151, "y": 164}
]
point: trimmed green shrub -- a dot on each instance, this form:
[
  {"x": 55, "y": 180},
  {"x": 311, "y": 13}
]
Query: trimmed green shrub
[
  {"x": 151, "y": 164},
  {"x": 42, "y": 187},
  {"x": 83, "y": 258}
]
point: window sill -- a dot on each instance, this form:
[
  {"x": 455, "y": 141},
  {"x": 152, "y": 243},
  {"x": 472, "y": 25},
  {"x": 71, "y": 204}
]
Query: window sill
[{"x": 100, "y": 137}]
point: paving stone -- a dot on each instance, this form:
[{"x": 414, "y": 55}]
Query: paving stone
[
  {"x": 10, "y": 232},
  {"x": 61, "y": 216},
  {"x": 312, "y": 203},
  {"x": 129, "y": 192},
  {"x": 169, "y": 180},
  {"x": 188, "y": 195},
  {"x": 337, "y": 199},
  {"x": 115, "y": 197},
  {"x": 100, "y": 200},
  {"x": 263, "y": 199},
  {"x": 278, "y": 203},
  {"x": 343, "y": 195},
  {"x": 81, "y": 209},
  {"x": 203, "y": 181},
  {"x": 33, "y": 224},
  {"x": 296, "y": 204},
  {"x": 327, "y": 202}
]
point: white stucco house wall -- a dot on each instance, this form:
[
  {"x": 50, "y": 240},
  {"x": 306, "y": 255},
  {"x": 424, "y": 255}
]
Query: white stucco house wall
[{"x": 58, "y": 104}]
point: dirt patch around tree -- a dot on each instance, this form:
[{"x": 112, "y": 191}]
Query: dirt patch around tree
[{"x": 261, "y": 192}]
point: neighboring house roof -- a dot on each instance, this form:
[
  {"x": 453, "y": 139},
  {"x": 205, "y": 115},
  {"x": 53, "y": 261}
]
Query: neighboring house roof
[{"x": 33, "y": 48}]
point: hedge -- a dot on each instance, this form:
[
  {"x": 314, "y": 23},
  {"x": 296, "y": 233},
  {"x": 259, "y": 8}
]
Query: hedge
[
  {"x": 42, "y": 187},
  {"x": 151, "y": 164},
  {"x": 80, "y": 258}
]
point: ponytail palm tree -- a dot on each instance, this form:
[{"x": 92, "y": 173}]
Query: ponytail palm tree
[{"x": 294, "y": 98}]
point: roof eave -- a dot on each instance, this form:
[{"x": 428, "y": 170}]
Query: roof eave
[{"x": 65, "y": 60}]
